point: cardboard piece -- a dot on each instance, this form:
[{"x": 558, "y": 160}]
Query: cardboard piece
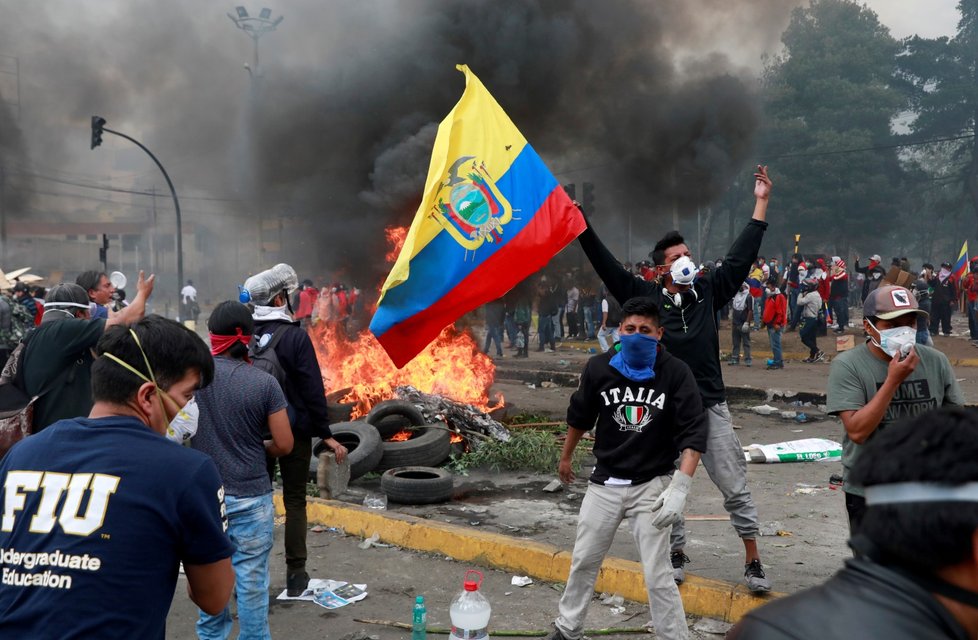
[
  {"x": 899, "y": 277},
  {"x": 844, "y": 343}
]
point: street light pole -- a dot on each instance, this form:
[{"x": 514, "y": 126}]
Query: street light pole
[
  {"x": 98, "y": 126},
  {"x": 255, "y": 27}
]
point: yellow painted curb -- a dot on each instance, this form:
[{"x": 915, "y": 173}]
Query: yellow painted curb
[{"x": 701, "y": 596}]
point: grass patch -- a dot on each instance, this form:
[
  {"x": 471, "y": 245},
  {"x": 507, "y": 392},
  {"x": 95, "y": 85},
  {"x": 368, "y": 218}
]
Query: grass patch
[{"x": 528, "y": 449}]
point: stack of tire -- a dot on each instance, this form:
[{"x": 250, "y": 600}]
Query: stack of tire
[{"x": 410, "y": 475}]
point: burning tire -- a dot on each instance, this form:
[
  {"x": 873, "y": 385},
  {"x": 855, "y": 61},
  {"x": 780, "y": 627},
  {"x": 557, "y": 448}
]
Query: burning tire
[
  {"x": 417, "y": 485},
  {"x": 429, "y": 447},
  {"x": 392, "y": 416},
  {"x": 361, "y": 440}
]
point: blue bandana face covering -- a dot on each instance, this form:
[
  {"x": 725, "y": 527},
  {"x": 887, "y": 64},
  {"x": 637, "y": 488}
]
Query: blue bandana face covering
[{"x": 636, "y": 359}]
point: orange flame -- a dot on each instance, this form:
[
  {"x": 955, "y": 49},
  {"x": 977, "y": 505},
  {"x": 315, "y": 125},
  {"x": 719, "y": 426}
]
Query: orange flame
[
  {"x": 395, "y": 238},
  {"x": 451, "y": 366}
]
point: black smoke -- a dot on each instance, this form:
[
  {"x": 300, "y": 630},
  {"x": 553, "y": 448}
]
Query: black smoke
[{"x": 654, "y": 102}]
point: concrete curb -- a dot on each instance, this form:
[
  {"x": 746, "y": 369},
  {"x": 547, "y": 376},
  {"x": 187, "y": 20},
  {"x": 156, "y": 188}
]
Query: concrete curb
[{"x": 701, "y": 596}]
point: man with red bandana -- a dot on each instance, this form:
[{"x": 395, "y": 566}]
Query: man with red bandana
[{"x": 867, "y": 271}]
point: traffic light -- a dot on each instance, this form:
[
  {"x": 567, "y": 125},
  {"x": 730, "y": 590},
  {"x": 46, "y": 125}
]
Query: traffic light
[
  {"x": 587, "y": 200},
  {"x": 97, "y": 124},
  {"x": 571, "y": 190}
]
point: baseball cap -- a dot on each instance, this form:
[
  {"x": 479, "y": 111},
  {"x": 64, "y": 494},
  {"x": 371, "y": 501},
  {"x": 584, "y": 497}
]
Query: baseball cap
[
  {"x": 946, "y": 265},
  {"x": 875, "y": 258},
  {"x": 889, "y": 301}
]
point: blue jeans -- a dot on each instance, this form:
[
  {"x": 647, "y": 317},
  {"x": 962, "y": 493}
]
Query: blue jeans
[
  {"x": 511, "y": 329},
  {"x": 774, "y": 335},
  {"x": 589, "y": 322},
  {"x": 251, "y": 530},
  {"x": 494, "y": 333},
  {"x": 545, "y": 330},
  {"x": 840, "y": 311},
  {"x": 807, "y": 333}
]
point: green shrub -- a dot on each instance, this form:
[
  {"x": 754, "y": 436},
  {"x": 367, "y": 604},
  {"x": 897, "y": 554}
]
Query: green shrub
[{"x": 528, "y": 449}]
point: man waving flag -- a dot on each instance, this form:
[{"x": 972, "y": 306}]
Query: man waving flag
[{"x": 491, "y": 215}]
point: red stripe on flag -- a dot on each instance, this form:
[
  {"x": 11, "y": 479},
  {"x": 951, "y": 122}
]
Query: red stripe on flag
[{"x": 554, "y": 225}]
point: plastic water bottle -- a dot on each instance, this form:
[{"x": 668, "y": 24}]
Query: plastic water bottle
[
  {"x": 419, "y": 624},
  {"x": 262, "y": 287},
  {"x": 470, "y": 611}
]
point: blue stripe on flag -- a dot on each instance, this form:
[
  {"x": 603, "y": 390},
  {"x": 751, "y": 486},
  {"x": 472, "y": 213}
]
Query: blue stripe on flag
[{"x": 442, "y": 264}]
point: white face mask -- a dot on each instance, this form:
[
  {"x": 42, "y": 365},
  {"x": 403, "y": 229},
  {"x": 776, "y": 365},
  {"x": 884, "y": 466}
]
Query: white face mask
[
  {"x": 683, "y": 271},
  {"x": 896, "y": 340},
  {"x": 183, "y": 427}
]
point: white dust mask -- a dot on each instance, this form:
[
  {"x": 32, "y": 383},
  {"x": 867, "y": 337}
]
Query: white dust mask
[
  {"x": 183, "y": 427},
  {"x": 896, "y": 340}
]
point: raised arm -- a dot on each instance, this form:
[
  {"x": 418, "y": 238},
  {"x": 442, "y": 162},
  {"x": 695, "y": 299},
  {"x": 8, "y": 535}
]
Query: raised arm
[
  {"x": 137, "y": 308},
  {"x": 621, "y": 284},
  {"x": 743, "y": 252}
]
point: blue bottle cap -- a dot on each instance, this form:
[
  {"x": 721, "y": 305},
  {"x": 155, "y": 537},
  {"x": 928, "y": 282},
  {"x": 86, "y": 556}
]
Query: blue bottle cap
[{"x": 244, "y": 296}]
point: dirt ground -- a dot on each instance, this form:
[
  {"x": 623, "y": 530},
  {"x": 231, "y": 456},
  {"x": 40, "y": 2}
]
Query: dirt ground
[{"x": 794, "y": 498}]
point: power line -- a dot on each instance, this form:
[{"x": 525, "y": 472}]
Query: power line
[{"x": 876, "y": 148}]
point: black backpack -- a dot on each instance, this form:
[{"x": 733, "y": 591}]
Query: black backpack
[
  {"x": 265, "y": 358},
  {"x": 614, "y": 312}
]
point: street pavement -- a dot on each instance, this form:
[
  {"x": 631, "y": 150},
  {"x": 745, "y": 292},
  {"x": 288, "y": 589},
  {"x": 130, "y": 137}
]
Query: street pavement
[{"x": 795, "y": 499}]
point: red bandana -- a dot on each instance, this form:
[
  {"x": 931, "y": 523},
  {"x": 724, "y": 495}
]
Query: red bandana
[{"x": 220, "y": 344}]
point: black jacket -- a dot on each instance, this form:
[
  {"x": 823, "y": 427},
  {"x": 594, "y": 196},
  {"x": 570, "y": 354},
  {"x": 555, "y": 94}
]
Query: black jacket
[
  {"x": 944, "y": 292},
  {"x": 691, "y": 331},
  {"x": 304, "y": 389},
  {"x": 641, "y": 426},
  {"x": 863, "y": 600}
]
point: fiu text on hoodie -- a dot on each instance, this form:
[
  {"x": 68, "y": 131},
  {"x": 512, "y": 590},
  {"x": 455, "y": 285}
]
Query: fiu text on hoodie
[{"x": 640, "y": 427}]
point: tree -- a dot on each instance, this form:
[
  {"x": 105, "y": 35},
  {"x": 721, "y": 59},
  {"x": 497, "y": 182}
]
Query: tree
[
  {"x": 942, "y": 76},
  {"x": 832, "y": 90}
]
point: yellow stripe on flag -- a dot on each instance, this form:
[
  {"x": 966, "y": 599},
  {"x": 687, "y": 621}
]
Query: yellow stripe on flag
[{"x": 476, "y": 126}]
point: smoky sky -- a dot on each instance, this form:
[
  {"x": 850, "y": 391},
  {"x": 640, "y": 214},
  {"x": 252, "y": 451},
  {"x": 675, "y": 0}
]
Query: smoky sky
[{"x": 654, "y": 102}]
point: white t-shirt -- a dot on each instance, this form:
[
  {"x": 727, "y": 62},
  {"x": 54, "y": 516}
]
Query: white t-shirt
[{"x": 188, "y": 293}]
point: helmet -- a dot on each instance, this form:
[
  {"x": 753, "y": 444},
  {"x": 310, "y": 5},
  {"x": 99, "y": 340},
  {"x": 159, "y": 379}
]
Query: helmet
[{"x": 809, "y": 284}]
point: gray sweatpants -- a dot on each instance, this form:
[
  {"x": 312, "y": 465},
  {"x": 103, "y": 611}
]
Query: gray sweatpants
[
  {"x": 725, "y": 463},
  {"x": 602, "y": 511}
]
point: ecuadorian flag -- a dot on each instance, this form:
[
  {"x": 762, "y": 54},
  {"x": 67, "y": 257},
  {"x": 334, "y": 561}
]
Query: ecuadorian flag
[
  {"x": 491, "y": 215},
  {"x": 961, "y": 266}
]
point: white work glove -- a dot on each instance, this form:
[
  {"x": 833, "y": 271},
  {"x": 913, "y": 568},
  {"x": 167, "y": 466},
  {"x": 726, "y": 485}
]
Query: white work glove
[
  {"x": 745, "y": 328},
  {"x": 672, "y": 501}
]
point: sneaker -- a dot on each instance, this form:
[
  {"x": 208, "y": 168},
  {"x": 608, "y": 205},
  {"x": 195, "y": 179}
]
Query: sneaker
[
  {"x": 754, "y": 576},
  {"x": 548, "y": 350},
  {"x": 296, "y": 582},
  {"x": 819, "y": 357},
  {"x": 748, "y": 363},
  {"x": 732, "y": 362},
  {"x": 808, "y": 360},
  {"x": 556, "y": 635},
  {"x": 679, "y": 559},
  {"x": 775, "y": 366}
]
